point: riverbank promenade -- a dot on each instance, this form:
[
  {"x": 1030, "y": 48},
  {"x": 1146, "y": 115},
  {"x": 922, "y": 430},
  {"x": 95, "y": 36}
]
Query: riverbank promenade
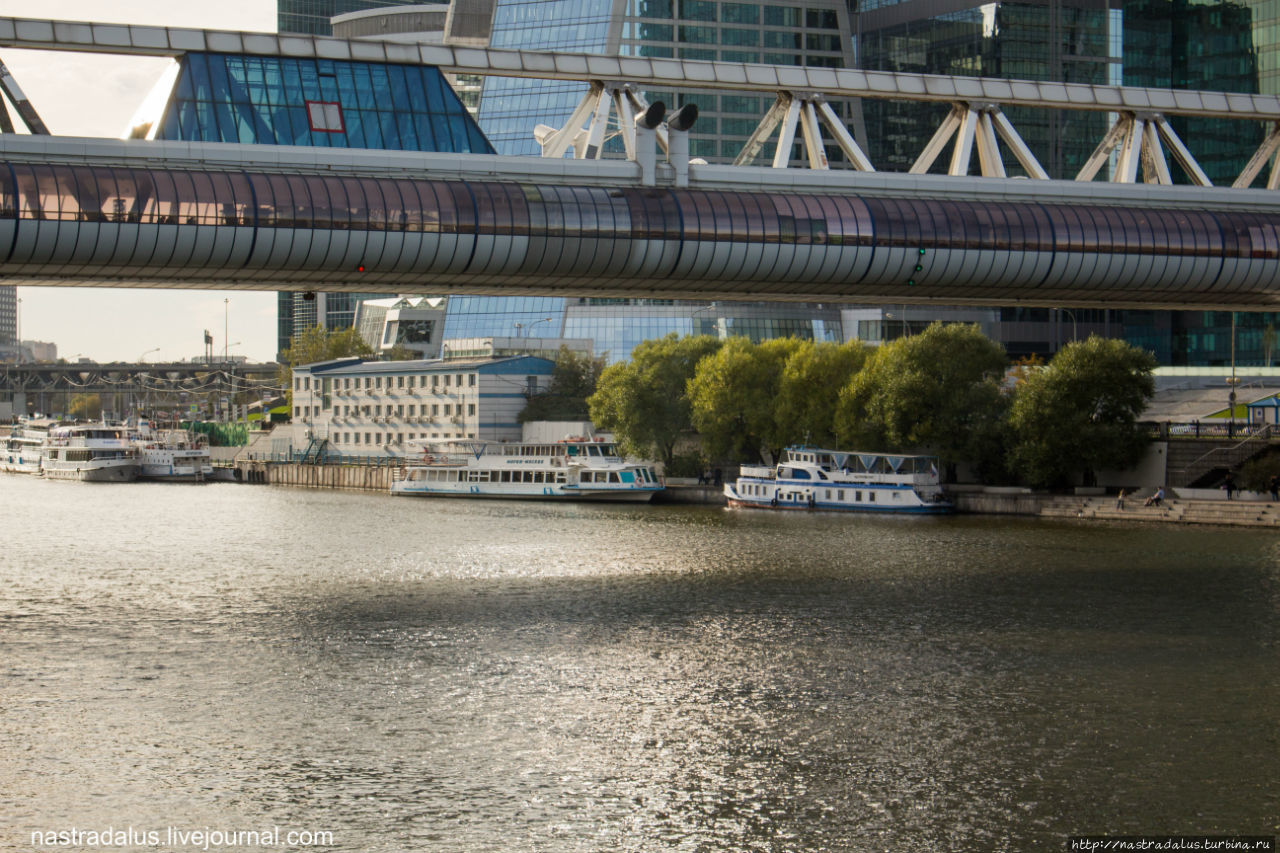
[{"x": 1237, "y": 513}]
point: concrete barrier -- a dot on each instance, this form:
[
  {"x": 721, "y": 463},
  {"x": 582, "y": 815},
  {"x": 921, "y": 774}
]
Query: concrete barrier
[{"x": 356, "y": 477}]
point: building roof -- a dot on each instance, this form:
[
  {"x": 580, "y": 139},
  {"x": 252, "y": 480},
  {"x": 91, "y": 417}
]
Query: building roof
[
  {"x": 359, "y": 367},
  {"x": 1182, "y": 405}
]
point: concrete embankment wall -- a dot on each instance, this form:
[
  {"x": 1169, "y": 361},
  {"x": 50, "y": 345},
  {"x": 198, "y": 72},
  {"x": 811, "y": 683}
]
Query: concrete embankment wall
[
  {"x": 361, "y": 477},
  {"x": 998, "y": 503}
]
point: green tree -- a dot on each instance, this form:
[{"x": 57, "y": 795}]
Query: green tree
[
  {"x": 809, "y": 388},
  {"x": 1080, "y": 413},
  {"x": 733, "y": 395},
  {"x": 319, "y": 344},
  {"x": 573, "y": 380},
  {"x": 937, "y": 391},
  {"x": 644, "y": 401},
  {"x": 85, "y": 406}
]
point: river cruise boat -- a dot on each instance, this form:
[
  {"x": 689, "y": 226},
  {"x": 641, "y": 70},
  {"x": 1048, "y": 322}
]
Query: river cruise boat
[
  {"x": 574, "y": 469},
  {"x": 22, "y": 450},
  {"x": 818, "y": 479},
  {"x": 91, "y": 453},
  {"x": 171, "y": 455}
]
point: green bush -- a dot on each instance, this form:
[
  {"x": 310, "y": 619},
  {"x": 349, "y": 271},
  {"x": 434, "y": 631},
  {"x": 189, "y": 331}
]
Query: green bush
[
  {"x": 687, "y": 465},
  {"x": 1255, "y": 473}
]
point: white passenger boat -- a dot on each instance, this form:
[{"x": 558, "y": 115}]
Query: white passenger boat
[
  {"x": 818, "y": 479},
  {"x": 89, "y": 452},
  {"x": 171, "y": 455},
  {"x": 573, "y": 469},
  {"x": 22, "y": 450}
]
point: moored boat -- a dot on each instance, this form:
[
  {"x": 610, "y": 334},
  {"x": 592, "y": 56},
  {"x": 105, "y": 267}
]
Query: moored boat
[
  {"x": 573, "y": 469},
  {"x": 90, "y": 453},
  {"x": 22, "y": 450},
  {"x": 171, "y": 455},
  {"x": 819, "y": 479}
]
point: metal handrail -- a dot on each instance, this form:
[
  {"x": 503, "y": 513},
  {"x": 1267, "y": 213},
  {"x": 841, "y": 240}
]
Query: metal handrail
[{"x": 1264, "y": 432}]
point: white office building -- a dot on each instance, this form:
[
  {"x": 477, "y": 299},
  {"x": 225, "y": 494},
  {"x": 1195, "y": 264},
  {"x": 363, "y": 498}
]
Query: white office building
[{"x": 362, "y": 408}]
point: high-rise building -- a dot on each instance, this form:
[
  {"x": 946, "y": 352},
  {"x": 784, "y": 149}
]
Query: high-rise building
[
  {"x": 8, "y": 315},
  {"x": 1181, "y": 44},
  {"x": 814, "y": 33},
  {"x": 313, "y": 17},
  {"x": 509, "y": 108}
]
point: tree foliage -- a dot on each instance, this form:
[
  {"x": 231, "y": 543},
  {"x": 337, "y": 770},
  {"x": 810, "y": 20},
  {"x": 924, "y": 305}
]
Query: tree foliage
[
  {"x": 85, "y": 406},
  {"x": 733, "y": 397},
  {"x": 319, "y": 344},
  {"x": 573, "y": 380},
  {"x": 937, "y": 391},
  {"x": 644, "y": 401},
  {"x": 1079, "y": 414},
  {"x": 809, "y": 388}
]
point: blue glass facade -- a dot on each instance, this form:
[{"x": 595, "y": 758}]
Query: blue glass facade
[
  {"x": 323, "y": 103},
  {"x": 509, "y": 106},
  {"x": 318, "y": 102},
  {"x": 498, "y": 316}
]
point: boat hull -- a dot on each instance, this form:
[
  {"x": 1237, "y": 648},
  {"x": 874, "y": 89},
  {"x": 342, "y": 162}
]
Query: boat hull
[
  {"x": 548, "y": 493},
  {"x": 908, "y": 503},
  {"x": 126, "y": 473}
]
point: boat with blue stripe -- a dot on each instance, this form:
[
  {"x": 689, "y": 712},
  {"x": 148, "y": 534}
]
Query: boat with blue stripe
[
  {"x": 814, "y": 478},
  {"x": 581, "y": 468}
]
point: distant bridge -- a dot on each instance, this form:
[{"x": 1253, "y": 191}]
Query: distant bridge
[{"x": 47, "y": 386}]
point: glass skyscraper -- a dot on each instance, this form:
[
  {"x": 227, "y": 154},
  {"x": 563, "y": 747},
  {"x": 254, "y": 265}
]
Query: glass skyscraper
[
  {"x": 815, "y": 33},
  {"x": 1180, "y": 44}
]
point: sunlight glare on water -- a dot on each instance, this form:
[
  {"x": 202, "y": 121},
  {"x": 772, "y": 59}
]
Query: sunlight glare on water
[{"x": 516, "y": 676}]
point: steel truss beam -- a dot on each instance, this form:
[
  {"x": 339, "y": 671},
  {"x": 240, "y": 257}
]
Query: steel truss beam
[
  {"x": 977, "y": 125},
  {"x": 1136, "y": 138},
  {"x": 809, "y": 111},
  {"x": 601, "y": 100}
]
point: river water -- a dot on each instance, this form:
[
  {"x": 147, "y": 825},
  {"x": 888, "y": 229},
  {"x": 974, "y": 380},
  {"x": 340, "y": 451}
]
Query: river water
[{"x": 504, "y": 676}]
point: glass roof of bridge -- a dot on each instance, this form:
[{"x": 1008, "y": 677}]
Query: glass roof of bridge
[{"x": 325, "y": 103}]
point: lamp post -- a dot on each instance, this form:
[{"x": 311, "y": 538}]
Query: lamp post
[
  {"x": 231, "y": 376},
  {"x": 1072, "y": 315},
  {"x": 142, "y": 359},
  {"x": 693, "y": 317},
  {"x": 528, "y": 329}
]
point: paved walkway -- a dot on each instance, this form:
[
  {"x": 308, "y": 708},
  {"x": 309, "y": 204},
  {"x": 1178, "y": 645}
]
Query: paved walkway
[{"x": 1235, "y": 513}]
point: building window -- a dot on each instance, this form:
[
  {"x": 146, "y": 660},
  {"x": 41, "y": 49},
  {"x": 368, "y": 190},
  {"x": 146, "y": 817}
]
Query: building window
[
  {"x": 471, "y": 408},
  {"x": 325, "y": 116}
]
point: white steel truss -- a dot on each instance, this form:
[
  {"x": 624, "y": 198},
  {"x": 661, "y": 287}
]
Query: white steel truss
[
  {"x": 601, "y": 100},
  {"x": 1266, "y": 151},
  {"x": 975, "y": 121},
  {"x": 806, "y": 110},
  {"x": 1136, "y": 138},
  {"x": 977, "y": 125}
]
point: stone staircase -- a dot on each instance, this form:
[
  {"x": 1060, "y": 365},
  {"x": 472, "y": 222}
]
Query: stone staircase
[
  {"x": 1190, "y": 459},
  {"x": 1235, "y": 513}
]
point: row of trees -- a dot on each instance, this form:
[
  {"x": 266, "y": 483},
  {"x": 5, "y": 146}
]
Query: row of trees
[{"x": 947, "y": 391}]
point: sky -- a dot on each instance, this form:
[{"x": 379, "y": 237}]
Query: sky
[{"x": 87, "y": 95}]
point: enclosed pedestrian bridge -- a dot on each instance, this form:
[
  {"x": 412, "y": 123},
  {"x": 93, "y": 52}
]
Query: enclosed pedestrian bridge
[{"x": 270, "y": 217}]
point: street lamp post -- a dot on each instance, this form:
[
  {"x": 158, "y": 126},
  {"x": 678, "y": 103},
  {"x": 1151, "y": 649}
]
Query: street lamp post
[
  {"x": 142, "y": 359},
  {"x": 1072, "y": 315}
]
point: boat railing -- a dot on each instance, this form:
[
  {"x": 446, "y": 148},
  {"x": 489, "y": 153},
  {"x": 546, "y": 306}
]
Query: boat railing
[{"x": 763, "y": 472}]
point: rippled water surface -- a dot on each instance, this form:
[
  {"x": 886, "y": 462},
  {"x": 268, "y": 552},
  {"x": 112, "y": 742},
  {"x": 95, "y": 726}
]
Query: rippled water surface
[{"x": 504, "y": 676}]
